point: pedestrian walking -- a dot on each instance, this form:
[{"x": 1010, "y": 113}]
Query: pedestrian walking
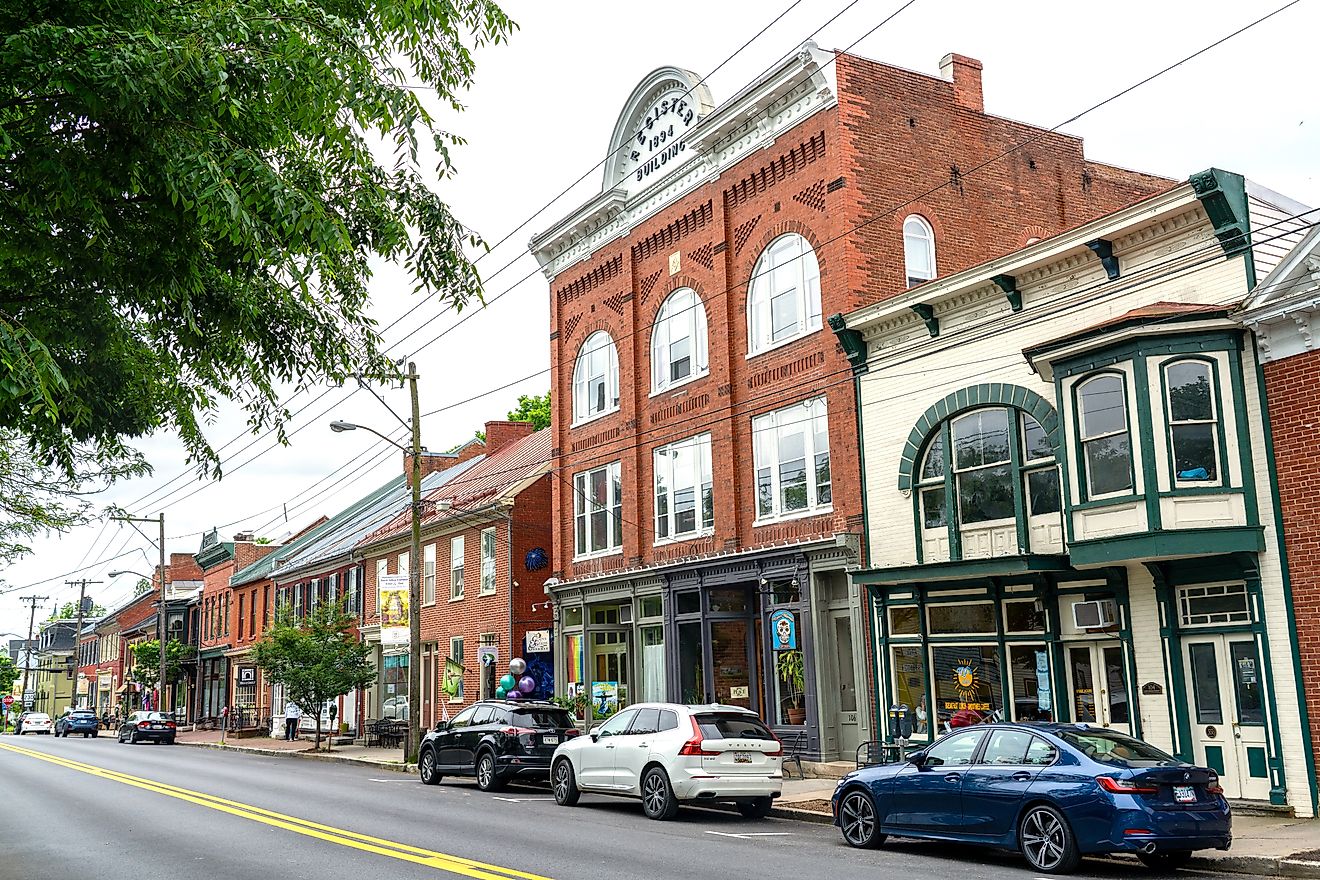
[{"x": 292, "y": 715}]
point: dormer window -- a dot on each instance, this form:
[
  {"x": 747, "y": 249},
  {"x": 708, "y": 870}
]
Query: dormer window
[
  {"x": 1106, "y": 441},
  {"x": 918, "y": 250},
  {"x": 1193, "y": 421}
]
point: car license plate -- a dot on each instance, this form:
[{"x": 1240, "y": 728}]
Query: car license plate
[
  {"x": 742, "y": 758},
  {"x": 550, "y": 740},
  {"x": 1184, "y": 794}
]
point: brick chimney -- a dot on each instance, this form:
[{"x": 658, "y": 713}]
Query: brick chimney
[
  {"x": 502, "y": 434},
  {"x": 965, "y": 74},
  {"x": 435, "y": 462}
]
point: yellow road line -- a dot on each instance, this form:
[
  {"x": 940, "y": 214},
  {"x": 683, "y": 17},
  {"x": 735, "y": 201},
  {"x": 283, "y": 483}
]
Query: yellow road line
[{"x": 343, "y": 837}]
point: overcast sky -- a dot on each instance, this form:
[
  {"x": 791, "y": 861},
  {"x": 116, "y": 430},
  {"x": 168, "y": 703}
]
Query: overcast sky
[{"x": 542, "y": 112}]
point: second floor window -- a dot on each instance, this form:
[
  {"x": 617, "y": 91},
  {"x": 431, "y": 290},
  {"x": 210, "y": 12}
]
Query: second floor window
[
  {"x": 918, "y": 250},
  {"x": 678, "y": 340},
  {"x": 791, "y": 447},
  {"x": 1106, "y": 441},
  {"x": 596, "y": 378},
  {"x": 784, "y": 300},
  {"x": 456, "y": 567},
  {"x": 428, "y": 574},
  {"x": 684, "y": 496},
  {"x": 598, "y": 510},
  {"x": 1193, "y": 421},
  {"x": 487, "y": 561}
]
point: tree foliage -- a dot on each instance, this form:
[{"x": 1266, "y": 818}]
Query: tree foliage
[
  {"x": 532, "y": 408},
  {"x": 69, "y": 611},
  {"x": 317, "y": 658},
  {"x": 9, "y": 673},
  {"x": 146, "y": 662},
  {"x": 191, "y": 192}
]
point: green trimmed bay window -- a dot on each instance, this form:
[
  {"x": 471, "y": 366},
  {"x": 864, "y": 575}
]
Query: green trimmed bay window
[{"x": 1105, "y": 435}]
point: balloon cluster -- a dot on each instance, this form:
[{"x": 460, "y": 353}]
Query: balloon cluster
[{"x": 516, "y": 684}]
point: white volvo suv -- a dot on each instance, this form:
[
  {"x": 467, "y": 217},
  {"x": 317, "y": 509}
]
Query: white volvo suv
[{"x": 667, "y": 754}]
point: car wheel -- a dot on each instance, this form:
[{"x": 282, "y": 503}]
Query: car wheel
[
  {"x": 1047, "y": 842},
  {"x": 658, "y": 801},
  {"x": 426, "y": 768},
  {"x": 168, "y": 742},
  {"x": 85, "y": 735},
  {"x": 132, "y": 737},
  {"x": 756, "y": 808},
  {"x": 857, "y": 821},
  {"x": 1168, "y": 860},
  {"x": 93, "y": 734},
  {"x": 565, "y": 784},
  {"x": 486, "y": 778}
]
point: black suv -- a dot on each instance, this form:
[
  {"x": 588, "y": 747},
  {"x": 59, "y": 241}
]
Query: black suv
[{"x": 495, "y": 741}]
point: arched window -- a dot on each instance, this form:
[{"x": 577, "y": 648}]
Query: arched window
[
  {"x": 1106, "y": 441},
  {"x": 918, "y": 249},
  {"x": 986, "y": 465},
  {"x": 596, "y": 378},
  {"x": 678, "y": 340},
  {"x": 784, "y": 301},
  {"x": 1193, "y": 421}
]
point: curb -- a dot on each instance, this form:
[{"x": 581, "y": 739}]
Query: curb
[{"x": 395, "y": 766}]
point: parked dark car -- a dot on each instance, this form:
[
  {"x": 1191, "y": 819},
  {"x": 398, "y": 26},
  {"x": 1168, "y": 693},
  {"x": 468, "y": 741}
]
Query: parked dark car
[
  {"x": 147, "y": 727},
  {"x": 1055, "y": 792},
  {"x": 495, "y": 741},
  {"x": 84, "y": 722}
]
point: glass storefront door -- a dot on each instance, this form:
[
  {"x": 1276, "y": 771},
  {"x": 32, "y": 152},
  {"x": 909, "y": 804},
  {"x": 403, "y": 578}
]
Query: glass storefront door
[
  {"x": 1097, "y": 684},
  {"x": 1227, "y": 710}
]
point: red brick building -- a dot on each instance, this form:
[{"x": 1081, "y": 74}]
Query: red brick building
[
  {"x": 1284, "y": 312},
  {"x": 486, "y": 546},
  {"x": 706, "y": 478}
]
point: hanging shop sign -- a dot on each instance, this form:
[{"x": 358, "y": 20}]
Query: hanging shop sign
[
  {"x": 392, "y": 600},
  {"x": 538, "y": 641},
  {"x": 605, "y": 697},
  {"x": 247, "y": 675},
  {"x": 783, "y": 626},
  {"x": 453, "y": 681}
]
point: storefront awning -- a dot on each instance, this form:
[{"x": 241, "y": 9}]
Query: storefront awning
[{"x": 962, "y": 570}]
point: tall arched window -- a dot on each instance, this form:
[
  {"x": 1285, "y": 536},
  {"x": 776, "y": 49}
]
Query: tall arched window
[
  {"x": 784, "y": 301},
  {"x": 1193, "y": 420},
  {"x": 596, "y": 378},
  {"x": 678, "y": 340},
  {"x": 918, "y": 249},
  {"x": 1106, "y": 441}
]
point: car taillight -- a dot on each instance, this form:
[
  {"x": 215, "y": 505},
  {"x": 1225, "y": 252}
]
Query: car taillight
[
  {"x": 1213, "y": 786},
  {"x": 778, "y": 749},
  {"x": 516, "y": 731},
  {"x": 572, "y": 732},
  {"x": 692, "y": 748},
  {"x": 169, "y": 724},
  {"x": 1125, "y": 786}
]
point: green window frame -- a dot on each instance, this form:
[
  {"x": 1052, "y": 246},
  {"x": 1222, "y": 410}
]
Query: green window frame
[
  {"x": 1104, "y": 426},
  {"x": 1193, "y": 420}
]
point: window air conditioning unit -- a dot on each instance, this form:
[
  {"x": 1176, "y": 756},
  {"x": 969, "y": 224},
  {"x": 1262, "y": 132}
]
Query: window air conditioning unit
[
  {"x": 1098, "y": 614},
  {"x": 625, "y": 613}
]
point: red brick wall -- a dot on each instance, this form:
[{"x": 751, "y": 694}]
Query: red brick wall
[
  {"x": 894, "y": 134},
  {"x": 1294, "y": 410}
]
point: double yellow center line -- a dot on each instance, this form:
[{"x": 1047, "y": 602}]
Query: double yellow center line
[{"x": 343, "y": 837}]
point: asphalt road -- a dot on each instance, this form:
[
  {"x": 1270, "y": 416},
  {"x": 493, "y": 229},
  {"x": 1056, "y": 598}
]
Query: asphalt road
[{"x": 99, "y": 810}]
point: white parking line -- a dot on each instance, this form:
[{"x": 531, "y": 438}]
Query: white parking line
[
  {"x": 746, "y": 834},
  {"x": 520, "y": 800}
]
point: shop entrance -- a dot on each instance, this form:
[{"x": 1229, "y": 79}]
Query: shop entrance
[
  {"x": 844, "y": 673},
  {"x": 1097, "y": 684},
  {"x": 719, "y": 646},
  {"x": 1228, "y": 711}
]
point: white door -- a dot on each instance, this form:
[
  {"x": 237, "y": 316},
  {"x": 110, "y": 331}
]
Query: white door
[
  {"x": 1227, "y": 709},
  {"x": 845, "y": 677},
  {"x": 1097, "y": 684}
]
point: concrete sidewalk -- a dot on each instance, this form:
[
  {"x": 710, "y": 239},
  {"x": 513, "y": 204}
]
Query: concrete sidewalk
[{"x": 1265, "y": 846}]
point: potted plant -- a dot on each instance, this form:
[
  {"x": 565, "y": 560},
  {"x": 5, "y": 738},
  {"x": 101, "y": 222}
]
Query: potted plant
[{"x": 789, "y": 667}]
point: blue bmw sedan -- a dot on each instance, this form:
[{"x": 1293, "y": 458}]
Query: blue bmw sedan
[{"x": 1055, "y": 792}]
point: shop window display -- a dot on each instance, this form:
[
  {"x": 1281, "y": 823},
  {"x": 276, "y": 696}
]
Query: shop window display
[
  {"x": 910, "y": 691},
  {"x": 968, "y": 687}
]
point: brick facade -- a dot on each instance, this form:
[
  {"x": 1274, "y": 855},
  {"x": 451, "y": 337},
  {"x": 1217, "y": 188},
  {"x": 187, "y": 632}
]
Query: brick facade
[{"x": 1294, "y": 411}]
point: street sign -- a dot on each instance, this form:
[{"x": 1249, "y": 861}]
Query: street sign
[{"x": 8, "y": 700}]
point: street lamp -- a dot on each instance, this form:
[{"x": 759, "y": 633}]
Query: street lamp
[{"x": 414, "y": 734}]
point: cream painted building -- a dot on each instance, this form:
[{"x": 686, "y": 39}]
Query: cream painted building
[{"x": 1069, "y": 502}]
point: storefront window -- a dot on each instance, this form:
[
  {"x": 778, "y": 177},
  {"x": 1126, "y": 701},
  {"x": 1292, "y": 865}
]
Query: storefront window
[
  {"x": 790, "y": 688},
  {"x": 909, "y": 669},
  {"x": 1083, "y": 684},
  {"x": 653, "y": 664},
  {"x": 573, "y": 616},
  {"x": 1024, "y": 616},
  {"x": 728, "y": 600},
  {"x": 1029, "y": 677},
  {"x": 731, "y": 667},
  {"x": 968, "y": 687},
  {"x": 395, "y": 704},
  {"x": 905, "y": 621},
  {"x": 651, "y": 606},
  {"x": 973, "y": 617},
  {"x": 786, "y": 593},
  {"x": 573, "y": 661},
  {"x": 688, "y": 603},
  {"x": 691, "y": 672}
]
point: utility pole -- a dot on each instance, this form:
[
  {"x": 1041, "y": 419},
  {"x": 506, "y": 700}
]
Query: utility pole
[
  {"x": 414, "y": 738},
  {"x": 77, "y": 630},
  {"x": 160, "y": 611},
  {"x": 33, "y": 601}
]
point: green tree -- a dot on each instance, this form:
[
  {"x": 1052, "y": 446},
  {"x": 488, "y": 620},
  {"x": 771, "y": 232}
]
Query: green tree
[
  {"x": 141, "y": 586},
  {"x": 316, "y": 658},
  {"x": 193, "y": 193},
  {"x": 533, "y": 408},
  {"x": 146, "y": 662},
  {"x": 9, "y": 673},
  {"x": 69, "y": 611}
]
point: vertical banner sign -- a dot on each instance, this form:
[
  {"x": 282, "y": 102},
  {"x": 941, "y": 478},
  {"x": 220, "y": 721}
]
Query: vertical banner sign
[
  {"x": 392, "y": 600},
  {"x": 783, "y": 628}
]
